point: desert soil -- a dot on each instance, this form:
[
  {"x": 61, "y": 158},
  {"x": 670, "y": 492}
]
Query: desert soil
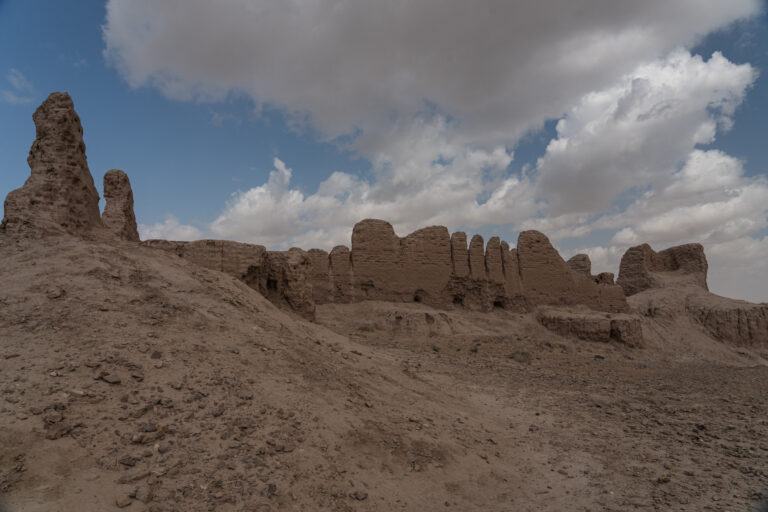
[{"x": 133, "y": 379}]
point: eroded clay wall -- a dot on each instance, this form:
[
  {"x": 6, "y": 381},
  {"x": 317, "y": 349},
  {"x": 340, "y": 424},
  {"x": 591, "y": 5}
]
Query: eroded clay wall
[
  {"x": 429, "y": 265},
  {"x": 439, "y": 269}
]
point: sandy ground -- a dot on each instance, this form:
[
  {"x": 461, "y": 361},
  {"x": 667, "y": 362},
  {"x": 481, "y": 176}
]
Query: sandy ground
[{"x": 133, "y": 379}]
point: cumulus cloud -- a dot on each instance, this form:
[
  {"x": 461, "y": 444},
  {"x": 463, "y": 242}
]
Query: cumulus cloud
[
  {"x": 709, "y": 200},
  {"x": 637, "y": 132},
  {"x": 414, "y": 186},
  {"x": 169, "y": 229},
  {"x": 500, "y": 67},
  {"x": 741, "y": 267},
  {"x": 21, "y": 89}
]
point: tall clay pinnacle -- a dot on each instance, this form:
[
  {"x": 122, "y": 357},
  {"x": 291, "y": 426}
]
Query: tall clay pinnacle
[
  {"x": 118, "y": 216},
  {"x": 59, "y": 194}
]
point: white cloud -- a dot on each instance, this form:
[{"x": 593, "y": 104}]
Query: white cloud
[
  {"x": 21, "y": 89},
  {"x": 351, "y": 65},
  {"x": 169, "y": 229},
  {"x": 635, "y": 133},
  {"x": 413, "y": 187},
  {"x": 741, "y": 266},
  {"x": 709, "y": 200}
]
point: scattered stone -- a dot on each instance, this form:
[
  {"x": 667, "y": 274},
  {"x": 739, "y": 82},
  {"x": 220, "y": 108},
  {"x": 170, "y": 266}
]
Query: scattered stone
[
  {"x": 128, "y": 461},
  {"x": 110, "y": 378},
  {"x": 57, "y": 430},
  {"x": 55, "y": 293},
  {"x": 359, "y": 495},
  {"x": 134, "y": 477},
  {"x": 123, "y": 500},
  {"x": 521, "y": 357},
  {"x": 144, "y": 494}
]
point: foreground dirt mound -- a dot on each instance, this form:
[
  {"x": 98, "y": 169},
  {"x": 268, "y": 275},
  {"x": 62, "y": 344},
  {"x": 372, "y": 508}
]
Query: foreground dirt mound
[
  {"x": 148, "y": 376},
  {"x": 126, "y": 371}
]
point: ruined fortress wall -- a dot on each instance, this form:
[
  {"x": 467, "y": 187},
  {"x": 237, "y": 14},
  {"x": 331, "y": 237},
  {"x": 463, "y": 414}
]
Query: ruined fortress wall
[
  {"x": 432, "y": 267},
  {"x": 425, "y": 259},
  {"x": 642, "y": 268},
  {"x": 232, "y": 258},
  {"x": 547, "y": 279},
  {"x": 428, "y": 265},
  {"x": 340, "y": 274},
  {"x": 459, "y": 255}
]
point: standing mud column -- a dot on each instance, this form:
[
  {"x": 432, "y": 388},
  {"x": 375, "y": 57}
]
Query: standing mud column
[
  {"x": 118, "y": 216},
  {"x": 477, "y": 258},
  {"x": 59, "y": 194}
]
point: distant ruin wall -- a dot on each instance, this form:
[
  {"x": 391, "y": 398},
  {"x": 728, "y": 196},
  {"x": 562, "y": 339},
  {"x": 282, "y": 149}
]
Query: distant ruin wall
[
  {"x": 232, "y": 258},
  {"x": 429, "y": 266},
  {"x": 643, "y": 268}
]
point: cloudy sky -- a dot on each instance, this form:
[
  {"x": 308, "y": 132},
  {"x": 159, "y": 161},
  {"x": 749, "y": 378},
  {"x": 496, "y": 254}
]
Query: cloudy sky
[{"x": 602, "y": 123}]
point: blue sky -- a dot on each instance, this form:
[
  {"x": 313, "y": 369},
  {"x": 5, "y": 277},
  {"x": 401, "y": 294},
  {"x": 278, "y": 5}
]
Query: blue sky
[{"x": 601, "y": 125}]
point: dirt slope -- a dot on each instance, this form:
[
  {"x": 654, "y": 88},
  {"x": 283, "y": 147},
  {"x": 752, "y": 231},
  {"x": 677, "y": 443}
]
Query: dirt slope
[{"x": 127, "y": 371}]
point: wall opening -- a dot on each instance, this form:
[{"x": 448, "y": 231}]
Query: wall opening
[{"x": 272, "y": 284}]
